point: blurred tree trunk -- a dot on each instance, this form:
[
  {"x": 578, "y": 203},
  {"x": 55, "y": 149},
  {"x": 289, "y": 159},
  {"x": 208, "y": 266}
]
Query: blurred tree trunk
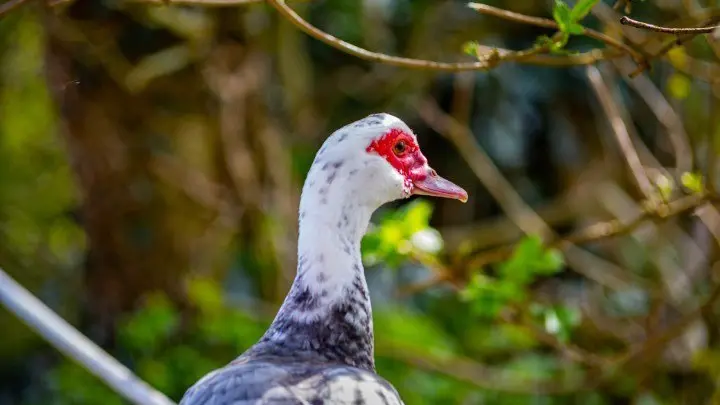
[
  {"x": 132, "y": 245},
  {"x": 144, "y": 160}
]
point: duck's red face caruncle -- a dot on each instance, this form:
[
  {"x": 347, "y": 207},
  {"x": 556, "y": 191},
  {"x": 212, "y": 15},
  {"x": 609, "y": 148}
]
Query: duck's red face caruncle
[{"x": 401, "y": 150}]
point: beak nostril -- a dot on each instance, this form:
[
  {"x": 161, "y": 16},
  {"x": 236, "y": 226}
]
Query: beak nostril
[{"x": 433, "y": 173}]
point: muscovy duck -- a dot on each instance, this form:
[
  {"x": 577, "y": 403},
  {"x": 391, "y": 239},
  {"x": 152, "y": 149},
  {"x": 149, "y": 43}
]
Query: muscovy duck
[{"x": 319, "y": 348}]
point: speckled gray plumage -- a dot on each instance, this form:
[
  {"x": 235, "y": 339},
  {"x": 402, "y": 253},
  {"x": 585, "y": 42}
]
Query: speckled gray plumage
[
  {"x": 279, "y": 380},
  {"x": 319, "y": 349}
]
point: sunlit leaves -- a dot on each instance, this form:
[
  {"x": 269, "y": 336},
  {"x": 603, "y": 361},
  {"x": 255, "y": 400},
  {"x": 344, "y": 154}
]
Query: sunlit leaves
[
  {"x": 581, "y": 9},
  {"x": 168, "y": 355},
  {"x": 708, "y": 360},
  {"x": 568, "y": 21},
  {"x": 561, "y": 14},
  {"x": 216, "y": 323},
  {"x": 679, "y": 86},
  {"x": 692, "y": 182},
  {"x": 400, "y": 233},
  {"x": 76, "y": 386},
  {"x": 205, "y": 294},
  {"x": 529, "y": 260},
  {"x": 678, "y": 57},
  {"x": 471, "y": 48},
  {"x": 488, "y": 296},
  {"x": 398, "y": 326},
  {"x": 151, "y": 325},
  {"x": 665, "y": 186}
]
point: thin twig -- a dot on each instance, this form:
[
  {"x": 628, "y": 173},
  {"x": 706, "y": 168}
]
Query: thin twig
[
  {"x": 666, "y": 116},
  {"x": 490, "y": 58},
  {"x": 548, "y": 23},
  {"x": 625, "y": 20},
  {"x": 621, "y": 133},
  {"x": 606, "y": 229},
  {"x": 483, "y": 167},
  {"x": 75, "y": 345},
  {"x": 713, "y": 145},
  {"x": 567, "y": 350},
  {"x": 649, "y": 349},
  {"x": 514, "y": 206},
  {"x": 10, "y": 5},
  {"x": 664, "y": 49}
]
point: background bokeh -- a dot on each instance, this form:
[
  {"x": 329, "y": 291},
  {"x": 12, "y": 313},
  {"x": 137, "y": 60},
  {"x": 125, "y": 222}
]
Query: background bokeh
[{"x": 151, "y": 158}]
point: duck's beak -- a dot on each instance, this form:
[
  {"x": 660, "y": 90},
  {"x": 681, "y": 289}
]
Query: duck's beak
[{"x": 433, "y": 185}]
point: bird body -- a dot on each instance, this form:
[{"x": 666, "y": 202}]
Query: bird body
[{"x": 319, "y": 348}]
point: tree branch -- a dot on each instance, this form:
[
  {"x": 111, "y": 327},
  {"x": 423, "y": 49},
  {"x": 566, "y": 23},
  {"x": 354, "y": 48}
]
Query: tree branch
[
  {"x": 512, "y": 203},
  {"x": 10, "y": 5},
  {"x": 625, "y": 20},
  {"x": 665, "y": 114},
  {"x": 548, "y": 23},
  {"x": 621, "y": 133},
  {"x": 607, "y": 229},
  {"x": 490, "y": 58}
]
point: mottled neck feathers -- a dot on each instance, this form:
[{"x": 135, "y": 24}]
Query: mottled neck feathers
[{"x": 327, "y": 311}]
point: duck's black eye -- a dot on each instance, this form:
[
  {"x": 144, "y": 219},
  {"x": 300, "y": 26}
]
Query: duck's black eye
[{"x": 400, "y": 148}]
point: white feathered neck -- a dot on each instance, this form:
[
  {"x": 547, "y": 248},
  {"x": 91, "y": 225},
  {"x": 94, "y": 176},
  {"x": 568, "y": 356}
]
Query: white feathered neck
[{"x": 328, "y": 308}]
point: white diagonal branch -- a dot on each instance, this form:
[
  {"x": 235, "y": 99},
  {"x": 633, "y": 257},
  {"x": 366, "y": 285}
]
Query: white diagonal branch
[{"x": 75, "y": 345}]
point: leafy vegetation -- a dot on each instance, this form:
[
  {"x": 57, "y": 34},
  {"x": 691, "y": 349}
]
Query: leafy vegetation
[{"x": 151, "y": 156}]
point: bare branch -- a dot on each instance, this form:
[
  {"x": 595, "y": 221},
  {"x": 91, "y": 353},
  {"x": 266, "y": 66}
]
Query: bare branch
[
  {"x": 512, "y": 203},
  {"x": 490, "y": 58},
  {"x": 10, "y": 5},
  {"x": 621, "y": 133},
  {"x": 649, "y": 349},
  {"x": 483, "y": 167},
  {"x": 666, "y": 116},
  {"x": 625, "y": 20},
  {"x": 548, "y": 23},
  {"x": 713, "y": 145}
]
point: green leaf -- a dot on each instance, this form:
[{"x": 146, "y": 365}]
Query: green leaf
[
  {"x": 665, "y": 185},
  {"x": 558, "y": 45},
  {"x": 401, "y": 232},
  {"x": 560, "y": 321},
  {"x": 400, "y": 326},
  {"x": 488, "y": 296},
  {"x": 530, "y": 258},
  {"x": 561, "y": 14},
  {"x": 581, "y": 9},
  {"x": 576, "y": 29},
  {"x": 417, "y": 215},
  {"x": 692, "y": 181},
  {"x": 470, "y": 48},
  {"x": 151, "y": 325},
  {"x": 205, "y": 294},
  {"x": 679, "y": 86}
]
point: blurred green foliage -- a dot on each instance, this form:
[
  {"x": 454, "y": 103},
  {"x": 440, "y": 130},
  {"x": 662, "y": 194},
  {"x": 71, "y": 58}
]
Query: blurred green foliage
[
  {"x": 401, "y": 234},
  {"x": 167, "y": 351},
  {"x": 200, "y": 84},
  {"x": 171, "y": 353}
]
